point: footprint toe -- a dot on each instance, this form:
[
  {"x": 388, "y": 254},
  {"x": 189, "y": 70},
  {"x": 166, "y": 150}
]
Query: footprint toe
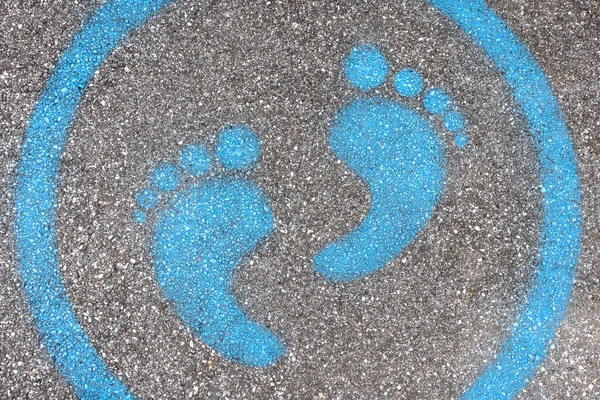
[
  {"x": 195, "y": 159},
  {"x": 437, "y": 101},
  {"x": 454, "y": 121},
  {"x": 147, "y": 198},
  {"x": 166, "y": 177},
  {"x": 366, "y": 67},
  {"x": 238, "y": 148},
  {"x": 461, "y": 140},
  {"x": 408, "y": 82},
  {"x": 140, "y": 216}
]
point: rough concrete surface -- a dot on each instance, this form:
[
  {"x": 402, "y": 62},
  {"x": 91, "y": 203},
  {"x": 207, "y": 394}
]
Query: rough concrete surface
[{"x": 422, "y": 328}]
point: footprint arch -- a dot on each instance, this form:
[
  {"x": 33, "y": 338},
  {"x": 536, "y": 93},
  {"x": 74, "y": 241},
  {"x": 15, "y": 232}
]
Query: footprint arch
[
  {"x": 397, "y": 151},
  {"x": 202, "y": 233}
]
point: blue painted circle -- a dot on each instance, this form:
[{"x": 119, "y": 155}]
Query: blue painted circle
[
  {"x": 454, "y": 121},
  {"x": 140, "y": 216},
  {"x": 408, "y": 82},
  {"x": 35, "y": 200},
  {"x": 166, "y": 177},
  {"x": 366, "y": 67},
  {"x": 238, "y": 148},
  {"x": 147, "y": 198},
  {"x": 461, "y": 140},
  {"x": 437, "y": 101},
  {"x": 37, "y": 182},
  {"x": 195, "y": 159},
  {"x": 546, "y": 303}
]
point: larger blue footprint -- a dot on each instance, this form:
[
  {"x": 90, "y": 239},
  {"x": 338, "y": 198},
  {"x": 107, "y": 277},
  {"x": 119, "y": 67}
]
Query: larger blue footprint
[
  {"x": 203, "y": 233},
  {"x": 395, "y": 150}
]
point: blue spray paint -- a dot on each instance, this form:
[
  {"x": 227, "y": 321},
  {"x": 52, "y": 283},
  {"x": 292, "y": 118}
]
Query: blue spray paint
[
  {"x": 547, "y": 301},
  {"x": 147, "y": 198},
  {"x": 238, "y": 148},
  {"x": 454, "y": 121},
  {"x": 395, "y": 150},
  {"x": 461, "y": 140},
  {"x": 35, "y": 202},
  {"x": 437, "y": 101},
  {"x": 195, "y": 160},
  {"x": 166, "y": 177},
  {"x": 408, "y": 82},
  {"x": 203, "y": 234},
  {"x": 366, "y": 67},
  {"x": 37, "y": 181}
]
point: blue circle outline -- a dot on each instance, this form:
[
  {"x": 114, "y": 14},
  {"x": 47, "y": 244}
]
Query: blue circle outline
[
  {"x": 35, "y": 201},
  {"x": 37, "y": 182},
  {"x": 526, "y": 347}
]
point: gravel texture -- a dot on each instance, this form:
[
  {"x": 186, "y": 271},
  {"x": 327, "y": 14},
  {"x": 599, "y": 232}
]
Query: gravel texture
[{"x": 422, "y": 328}]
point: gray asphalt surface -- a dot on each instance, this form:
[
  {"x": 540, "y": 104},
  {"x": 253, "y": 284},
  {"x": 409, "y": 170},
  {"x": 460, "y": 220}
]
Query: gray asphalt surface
[{"x": 424, "y": 327}]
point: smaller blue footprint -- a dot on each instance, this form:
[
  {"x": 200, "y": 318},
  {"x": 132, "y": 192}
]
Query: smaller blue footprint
[
  {"x": 204, "y": 231},
  {"x": 400, "y": 156}
]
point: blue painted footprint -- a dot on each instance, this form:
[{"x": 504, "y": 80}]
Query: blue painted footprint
[
  {"x": 396, "y": 151},
  {"x": 203, "y": 233}
]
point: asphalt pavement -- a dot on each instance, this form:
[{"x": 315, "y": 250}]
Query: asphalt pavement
[{"x": 427, "y": 324}]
